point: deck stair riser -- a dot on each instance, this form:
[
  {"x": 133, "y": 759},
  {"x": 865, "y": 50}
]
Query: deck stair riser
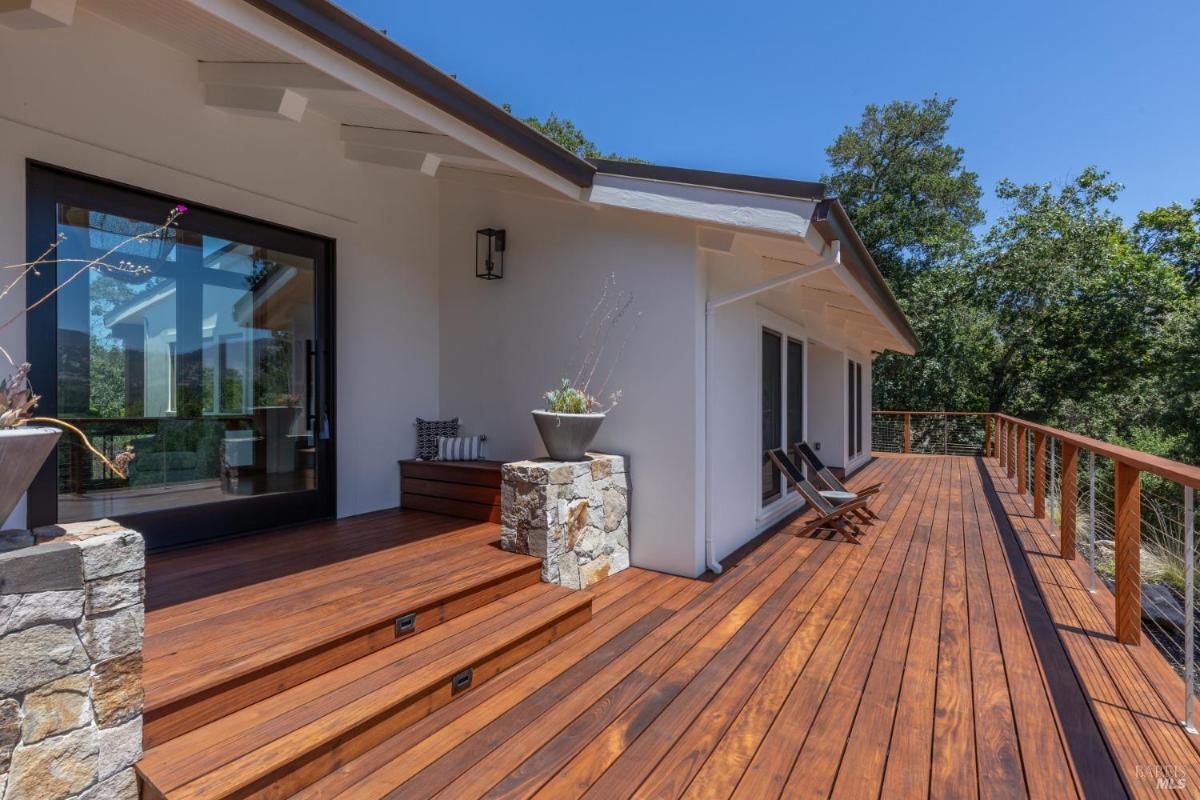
[
  {"x": 291, "y": 739},
  {"x": 353, "y": 631}
]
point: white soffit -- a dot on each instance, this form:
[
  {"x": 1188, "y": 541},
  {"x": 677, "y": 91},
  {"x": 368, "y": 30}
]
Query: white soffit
[
  {"x": 752, "y": 212},
  {"x": 302, "y": 49}
]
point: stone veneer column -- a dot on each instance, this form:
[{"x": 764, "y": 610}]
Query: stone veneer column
[
  {"x": 574, "y": 515},
  {"x": 71, "y": 626}
]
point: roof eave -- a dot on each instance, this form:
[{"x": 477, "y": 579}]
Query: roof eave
[
  {"x": 353, "y": 39},
  {"x": 832, "y": 222}
]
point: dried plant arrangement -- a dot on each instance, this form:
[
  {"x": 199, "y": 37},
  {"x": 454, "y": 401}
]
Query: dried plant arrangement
[
  {"x": 576, "y": 395},
  {"x": 17, "y": 399}
]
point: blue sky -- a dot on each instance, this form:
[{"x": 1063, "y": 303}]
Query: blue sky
[{"x": 1044, "y": 88}]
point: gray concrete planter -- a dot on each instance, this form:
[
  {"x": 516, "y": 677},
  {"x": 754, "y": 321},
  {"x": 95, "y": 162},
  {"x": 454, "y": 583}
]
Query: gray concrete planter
[
  {"x": 567, "y": 436},
  {"x": 22, "y": 452}
]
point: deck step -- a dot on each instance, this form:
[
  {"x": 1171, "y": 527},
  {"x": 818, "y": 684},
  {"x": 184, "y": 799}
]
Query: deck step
[
  {"x": 204, "y": 671},
  {"x": 287, "y": 741}
]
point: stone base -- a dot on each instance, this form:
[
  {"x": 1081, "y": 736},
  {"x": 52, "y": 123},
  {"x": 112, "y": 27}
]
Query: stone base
[
  {"x": 71, "y": 628},
  {"x": 574, "y": 515}
]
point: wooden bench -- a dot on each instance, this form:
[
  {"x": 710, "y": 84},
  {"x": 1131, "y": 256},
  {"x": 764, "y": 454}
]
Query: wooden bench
[{"x": 469, "y": 489}]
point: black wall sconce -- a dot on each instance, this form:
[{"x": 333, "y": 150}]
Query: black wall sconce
[{"x": 489, "y": 254}]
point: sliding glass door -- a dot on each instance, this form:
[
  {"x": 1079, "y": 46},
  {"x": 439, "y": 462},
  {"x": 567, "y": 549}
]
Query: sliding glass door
[{"x": 202, "y": 355}]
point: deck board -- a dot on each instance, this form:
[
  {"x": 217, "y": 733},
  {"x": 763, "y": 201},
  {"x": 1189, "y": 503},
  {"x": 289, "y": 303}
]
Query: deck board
[{"x": 951, "y": 654}]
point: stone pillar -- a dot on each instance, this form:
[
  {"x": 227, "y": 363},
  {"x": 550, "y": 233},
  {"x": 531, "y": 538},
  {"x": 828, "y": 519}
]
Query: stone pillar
[
  {"x": 574, "y": 515},
  {"x": 71, "y": 626}
]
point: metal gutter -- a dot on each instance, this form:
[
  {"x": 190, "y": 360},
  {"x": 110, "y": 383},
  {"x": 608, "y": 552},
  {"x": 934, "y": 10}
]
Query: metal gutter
[
  {"x": 355, "y": 40},
  {"x": 752, "y": 184}
]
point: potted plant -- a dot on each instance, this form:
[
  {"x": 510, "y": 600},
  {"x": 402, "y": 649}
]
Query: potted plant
[
  {"x": 573, "y": 415},
  {"x": 27, "y": 440}
]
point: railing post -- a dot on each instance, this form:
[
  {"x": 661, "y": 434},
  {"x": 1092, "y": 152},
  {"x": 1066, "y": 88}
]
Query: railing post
[
  {"x": 1091, "y": 523},
  {"x": 1189, "y": 610},
  {"x": 1039, "y": 474},
  {"x": 908, "y": 433},
  {"x": 1022, "y": 475},
  {"x": 1128, "y": 495},
  {"x": 987, "y": 435},
  {"x": 1068, "y": 500},
  {"x": 945, "y": 434}
]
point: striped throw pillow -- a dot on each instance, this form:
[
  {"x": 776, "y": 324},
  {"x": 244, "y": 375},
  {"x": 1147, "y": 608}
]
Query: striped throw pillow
[{"x": 462, "y": 448}]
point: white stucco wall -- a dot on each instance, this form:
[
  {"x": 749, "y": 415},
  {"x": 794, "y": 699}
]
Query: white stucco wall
[
  {"x": 735, "y": 360},
  {"x": 827, "y": 401},
  {"x": 102, "y": 100},
  {"x": 503, "y": 343}
]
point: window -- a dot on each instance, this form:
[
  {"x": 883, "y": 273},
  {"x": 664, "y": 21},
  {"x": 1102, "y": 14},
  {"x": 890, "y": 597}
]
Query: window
[
  {"x": 854, "y": 409},
  {"x": 795, "y": 395},
  {"x": 782, "y": 404},
  {"x": 196, "y": 363},
  {"x": 772, "y": 410}
]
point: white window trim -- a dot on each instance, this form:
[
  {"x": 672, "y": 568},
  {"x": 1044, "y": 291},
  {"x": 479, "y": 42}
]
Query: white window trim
[{"x": 788, "y": 500}]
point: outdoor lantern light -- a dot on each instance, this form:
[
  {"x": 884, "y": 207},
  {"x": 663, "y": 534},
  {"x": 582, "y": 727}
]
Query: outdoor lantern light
[{"x": 489, "y": 254}]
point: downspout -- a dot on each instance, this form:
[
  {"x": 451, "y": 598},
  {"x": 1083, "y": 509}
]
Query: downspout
[{"x": 710, "y": 308}]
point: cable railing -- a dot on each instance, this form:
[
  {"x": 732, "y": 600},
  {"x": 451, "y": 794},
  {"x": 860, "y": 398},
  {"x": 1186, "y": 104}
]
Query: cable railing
[
  {"x": 957, "y": 433},
  {"x": 1132, "y": 516},
  {"x": 1129, "y": 514}
]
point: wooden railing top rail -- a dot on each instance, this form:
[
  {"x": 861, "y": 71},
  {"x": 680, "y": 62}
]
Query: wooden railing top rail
[
  {"x": 939, "y": 413},
  {"x": 1176, "y": 471}
]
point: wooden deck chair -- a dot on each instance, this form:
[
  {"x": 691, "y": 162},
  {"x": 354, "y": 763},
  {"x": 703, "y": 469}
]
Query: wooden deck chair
[
  {"x": 829, "y": 516},
  {"x": 830, "y": 480}
]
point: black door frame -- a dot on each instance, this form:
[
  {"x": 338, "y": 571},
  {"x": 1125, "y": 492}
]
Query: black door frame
[{"x": 46, "y": 186}]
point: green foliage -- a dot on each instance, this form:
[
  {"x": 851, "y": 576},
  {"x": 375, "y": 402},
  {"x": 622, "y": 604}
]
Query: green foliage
[
  {"x": 1173, "y": 234},
  {"x": 566, "y": 399},
  {"x": 571, "y": 137},
  {"x": 1058, "y": 312},
  {"x": 911, "y": 199}
]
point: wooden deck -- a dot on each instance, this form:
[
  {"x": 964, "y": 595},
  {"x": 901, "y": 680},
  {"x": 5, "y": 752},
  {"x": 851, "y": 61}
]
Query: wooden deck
[{"x": 951, "y": 655}]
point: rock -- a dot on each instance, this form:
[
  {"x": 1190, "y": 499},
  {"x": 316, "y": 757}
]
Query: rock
[
  {"x": 120, "y": 747},
  {"x": 15, "y": 539},
  {"x": 601, "y": 468},
  {"x": 615, "y": 509},
  {"x": 550, "y": 573},
  {"x": 621, "y": 534},
  {"x": 568, "y": 570},
  {"x": 619, "y": 560},
  {"x": 41, "y": 608},
  {"x": 594, "y": 571},
  {"x": 523, "y": 472},
  {"x": 59, "y": 651},
  {"x": 577, "y": 520},
  {"x": 54, "y": 768},
  {"x": 122, "y": 786},
  {"x": 112, "y": 554},
  {"x": 111, "y": 635},
  {"x": 1160, "y": 604},
  {"x": 8, "y": 604},
  {"x": 118, "y": 591},
  {"x": 10, "y": 731},
  {"x": 45, "y": 568},
  {"x": 55, "y": 708},
  {"x": 117, "y": 693}
]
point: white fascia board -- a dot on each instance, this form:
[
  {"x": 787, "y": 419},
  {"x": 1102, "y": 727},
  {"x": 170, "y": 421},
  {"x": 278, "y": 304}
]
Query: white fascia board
[
  {"x": 305, "y": 50},
  {"x": 772, "y": 214}
]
